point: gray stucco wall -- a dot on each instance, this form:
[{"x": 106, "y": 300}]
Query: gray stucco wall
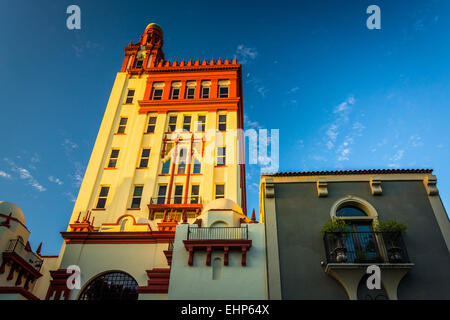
[{"x": 301, "y": 214}]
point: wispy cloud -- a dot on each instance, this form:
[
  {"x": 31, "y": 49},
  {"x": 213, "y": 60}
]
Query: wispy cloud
[
  {"x": 293, "y": 90},
  {"x": 25, "y": 175},
  {"x": 251, "y": 124},
  {"x": 257, "y": 84},
  {"x": 55, "y": 180},
  {"x": 245, "y": 54},
  {"x": 5, "y": 175},
  {"x": 69, "y": 145}
]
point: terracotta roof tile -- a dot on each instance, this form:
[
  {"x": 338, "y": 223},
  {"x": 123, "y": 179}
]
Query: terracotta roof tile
[{"x": 348, "y": 172}]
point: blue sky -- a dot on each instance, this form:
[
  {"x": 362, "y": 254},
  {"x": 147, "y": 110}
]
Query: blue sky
[{"x": 342, "y": 96}]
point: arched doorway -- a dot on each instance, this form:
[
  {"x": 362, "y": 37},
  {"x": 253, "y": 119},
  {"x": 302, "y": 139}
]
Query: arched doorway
[{"x": 114, "y": 285}]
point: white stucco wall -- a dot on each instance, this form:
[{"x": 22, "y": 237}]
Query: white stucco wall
[{"x": 237, "y": 282}]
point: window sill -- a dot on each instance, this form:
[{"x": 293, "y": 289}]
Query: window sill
[
  {"x": 196, "y": 174},
  {"x": 119, "y": 134},
  {"x": 164, "y": 174},
  {"x": 127, "y": 104},
  {"x": 109, "y": 168},
  {"x": 142, "y": 168},
  {"x": 133, "y": 208},
  {"x": 222, "y": 166},
  {"x": 148, "y": 132},
  {"x": 98, "y": 209}
]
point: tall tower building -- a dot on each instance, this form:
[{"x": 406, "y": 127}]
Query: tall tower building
[
  {"x": 167, "y": 144},
  {"x": 170, "y": 145}
]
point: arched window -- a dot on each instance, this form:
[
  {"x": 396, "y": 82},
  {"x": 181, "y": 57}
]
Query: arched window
[
  {"x": 350, "y": 211},
  {"x": 111, "y": 286}
]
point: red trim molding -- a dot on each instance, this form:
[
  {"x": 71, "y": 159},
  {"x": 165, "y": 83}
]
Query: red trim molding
[
  {"x": 58, "y": 286},
  {"x": 118, "y": 237},
  {"x": 18, "y": 290},
  {"x": 225, "y": 245},
  {"x": 158, "y": 281}
]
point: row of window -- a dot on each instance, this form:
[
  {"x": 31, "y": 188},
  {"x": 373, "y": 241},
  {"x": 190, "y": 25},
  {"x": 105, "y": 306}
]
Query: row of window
[
  {"x": 158, "y": 90},
  {"x": 182, "y": 160},
  {"x": 136, "y": 196},
  {"x": 200, "y": 124}
]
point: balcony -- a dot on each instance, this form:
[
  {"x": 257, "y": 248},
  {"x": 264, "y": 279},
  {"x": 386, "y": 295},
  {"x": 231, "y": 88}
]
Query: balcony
[
  {"x": 349, "y": 254},
  {"x": 365, "y": 247},
  {"x": 22, "y": 260},
  {"x": 217, "y": 238},
  {"x": 177, "y": 203},
  {"x": 16, "y": 246},
  {"x": 175, "y": 200}
]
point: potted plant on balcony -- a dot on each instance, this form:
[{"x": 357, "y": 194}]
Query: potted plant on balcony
[
  {"x": 336, "y": 231},
  {"x": 391, "y": 231}
]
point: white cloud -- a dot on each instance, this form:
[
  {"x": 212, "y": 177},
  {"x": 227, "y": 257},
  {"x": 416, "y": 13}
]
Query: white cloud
[
  {"x": 251, "y": 124},
  {"x": 245, "y": 54},
  {"x": 416, "y": 141},
  {"x": 397, "y": 156},
  {"x": 55, "y": 180},
  {"x": 344, "y": 105},
  {"x": 24, "y": 174},
  {"x": 294, "y": 89},
  {"x": 3, "y": 174},
  {"x": 69, "y": 145}
]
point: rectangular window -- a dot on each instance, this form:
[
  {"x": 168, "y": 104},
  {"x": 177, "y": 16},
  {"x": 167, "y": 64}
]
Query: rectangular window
[
  {"x": 195, "y": 190},
  {"x": 145, "y": 156},
  {"x": 205, "y": 92},
  {"x": 172, "y": 123},
  {"x": 190, "y": 93},
  {"x": 223, "y": 92},
  {"x": 201, "y": 123},
  {"x": 166, "y": 167},
  {"x": 157, "y": 94},
  {"x": 220, "y": 191},
  {"x": 175, "y": 93},
  {"x": 187, "y": 123},
  {"x": 197, "y": 166},
  {"x": 221, "y": 155},
  {"x": 130, "y": 96},
  {"x": 102, "y": 196},
  {"x": 178, "y": 194},
  {"x": 137, "y": 196},
  {"x": 151, "y": 124},
  {"x": 222, "y": 122},
  {"x": 113, "y": 158},
  {"x": 162, "y": 194},
  {"x": 122, "y": 125}
]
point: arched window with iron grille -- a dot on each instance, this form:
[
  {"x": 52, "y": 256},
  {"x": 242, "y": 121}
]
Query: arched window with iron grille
[{"x": 114, "y": 285}]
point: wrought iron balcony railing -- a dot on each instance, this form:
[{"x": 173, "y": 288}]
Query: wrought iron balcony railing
[
  {"x": 218, "y": 233},
  {"x": 16, "y": 246},
  {"x": 176, "y": 200},
  {"x": 365, "y": 247}
]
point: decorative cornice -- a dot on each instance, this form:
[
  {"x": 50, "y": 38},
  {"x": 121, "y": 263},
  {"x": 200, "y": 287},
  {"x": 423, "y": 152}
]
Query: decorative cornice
[{"x": 117, "y": 237}]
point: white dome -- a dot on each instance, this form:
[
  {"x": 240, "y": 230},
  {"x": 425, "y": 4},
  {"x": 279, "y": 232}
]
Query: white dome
[
  {"x": 222, "y": 204},
  {"x": 8, "y": 207}
]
